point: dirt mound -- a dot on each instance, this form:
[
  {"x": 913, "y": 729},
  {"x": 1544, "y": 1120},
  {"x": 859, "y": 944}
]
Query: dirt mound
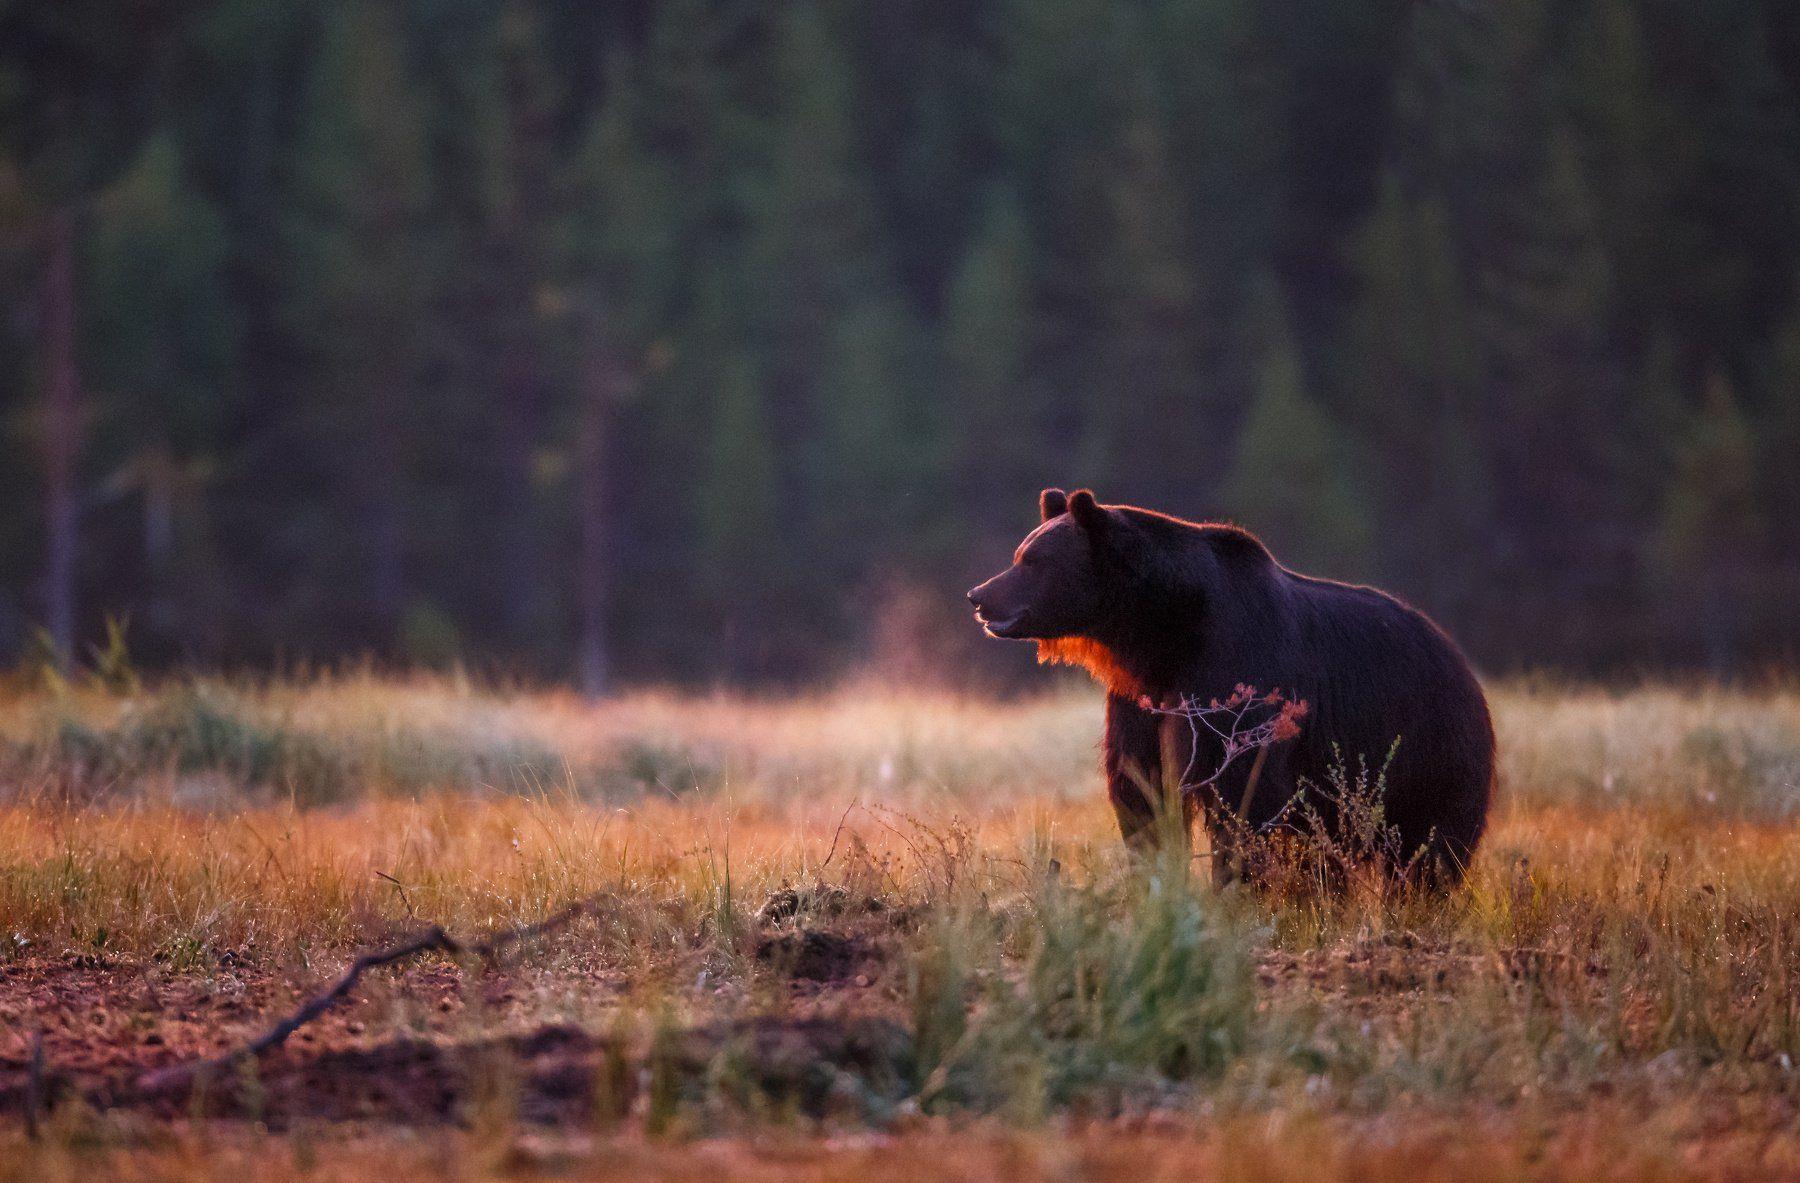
[{"x": 818, "y": 955}]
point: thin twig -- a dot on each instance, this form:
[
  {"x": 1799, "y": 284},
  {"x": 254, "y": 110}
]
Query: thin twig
[
  {"x": 404, "y": 898},
  {"x": 433, "y": 939},
  {"x": 836, "y": 834},
  {"x": 1236, "y": 736}
]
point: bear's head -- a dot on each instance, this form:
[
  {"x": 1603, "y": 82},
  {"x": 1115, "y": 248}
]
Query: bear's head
[
  {"x": 1057, "y": 584},
  {"x": 1116, "y": 589}
]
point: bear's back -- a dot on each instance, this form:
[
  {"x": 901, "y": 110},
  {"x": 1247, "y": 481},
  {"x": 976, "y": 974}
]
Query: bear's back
[{"x": 1384, "y": 678}]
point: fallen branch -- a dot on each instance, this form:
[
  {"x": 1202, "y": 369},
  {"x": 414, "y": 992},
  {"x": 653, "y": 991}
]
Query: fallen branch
[{"x": 434, "y": 939}]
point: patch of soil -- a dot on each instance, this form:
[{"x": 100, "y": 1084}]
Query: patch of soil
[
  {"x": 824, "y": 935},
  {"x": 818, "y": 955},
  {"x": 99, "y": 1014},
  {"x": 406, "y": 1047},
  {"x": 105, "y": 1021},
  {"x": 553, "y": 1075},
  {"x": 1386, "y": 966},
  {"x": 808, "y": 902}
]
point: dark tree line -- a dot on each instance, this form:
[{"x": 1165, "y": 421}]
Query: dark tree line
[{"x": 730, "y": 338}]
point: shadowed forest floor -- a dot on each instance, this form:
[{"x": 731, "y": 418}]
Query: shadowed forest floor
[{"x": 868, "y": 935}]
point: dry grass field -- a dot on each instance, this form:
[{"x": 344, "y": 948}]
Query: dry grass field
[{"x": 867, "y": 935}]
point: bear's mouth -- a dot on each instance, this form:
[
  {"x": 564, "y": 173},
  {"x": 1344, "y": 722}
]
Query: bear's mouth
[{"x": 1006, "y": 630}]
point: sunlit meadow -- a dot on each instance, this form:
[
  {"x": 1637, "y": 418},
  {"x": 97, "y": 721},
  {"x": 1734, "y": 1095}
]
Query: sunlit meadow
[{"x": 899, "y": 918}]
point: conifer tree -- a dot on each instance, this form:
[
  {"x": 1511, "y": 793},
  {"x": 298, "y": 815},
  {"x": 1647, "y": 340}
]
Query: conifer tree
[
  {"x": 1778, "y": 433},
  {"x": 357, "y": 290},
  {"x": 74, "y": 82},
  {"x": 817, "y": 259},
  {"x": 493, "y": 111},
  {"x": 1151, "y": 438},
  {"x": 1561, "y": 384},
  {"x": 616, "y": 262},
  {"x": 1223, "y": 87},
  {"x": 1295, "y": 480},
  {"x": 161, "y": 336},
  {"x": 876, "y": 443},
  {"x": 1632, "y": 146},
  {"x": 1713, "y": 526},
  {"x": 1412, "y": 382},
  {"x": 987, "y": 335},
  {"x": 1067, "y": 84},
  {"x": 735, "y": 496},
  {"x": 768, "y": 298},
  {"x": 743, "y": 557}
]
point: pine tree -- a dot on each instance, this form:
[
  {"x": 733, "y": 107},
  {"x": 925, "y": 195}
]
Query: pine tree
[
  {"x": 491, "y": 111},
  {"x": 1223, "y": 88},
  {"x": 814, "y": 236},
  {"x": 1060, "y": 111},
  {"x": 621, "y": 224},
  {"x": 735, "y": 495},
  {"x": 1776, "y": 429},
  {"x": 1632, "y": 145},
  {"x": 155, "y": 270},
  {"x": 1151, "y": 425},
  {"x": 931, "y": 67},
  {"x": 74, "y": 103},
  {"x": 743, "y": 559},
  {"x": 1713, "y": 526},
  {"x": 767, "y": 297},
  {"x": 1001, "y": 441},
  {"x": 357, "y": 290},
  {"x": 876, "y": 442},
  {"x": 619, "y": 232},
  {"x": 817, "y": 258},
  {"x": 1779, "y": 434},
  {"x": 1411, "y": 382},
  {"x": 18, "y": 482},
  {"x": 1733, "y": 209},
  {"x": 162, "y": 345},
  {"x": 1294, "y": 480},
  {"x": 1481, "y": 129},
  {"x": 1223, "y": 84},
  {"x": 1561, "y": 385},
  {"x": 1647, "y": 442}
]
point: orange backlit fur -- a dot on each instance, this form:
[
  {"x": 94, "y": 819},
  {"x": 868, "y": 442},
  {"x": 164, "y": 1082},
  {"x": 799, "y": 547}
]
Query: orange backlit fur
[{"x": 1096, "y": 659}]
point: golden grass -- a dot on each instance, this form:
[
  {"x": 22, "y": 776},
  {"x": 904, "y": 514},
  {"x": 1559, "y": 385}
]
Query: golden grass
[
  {"x": 347, "y": 737},
  {"x": 1623, "y": 957}
]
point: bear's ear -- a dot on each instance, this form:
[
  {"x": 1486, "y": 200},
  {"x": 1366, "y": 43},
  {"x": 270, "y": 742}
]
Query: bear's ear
[
  {"x": 1052, "y": 503},
  {"x": 1086, "y": 511}
]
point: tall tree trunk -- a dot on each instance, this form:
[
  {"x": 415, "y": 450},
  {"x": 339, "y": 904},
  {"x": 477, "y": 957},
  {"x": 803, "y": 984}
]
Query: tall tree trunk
[
  {"x": 521, "y": 586},
  {"x": 157, "y": 473},
  {"x": 605, "y": 382},
  {"x": 383, "y": 505},
  {"x": 62, "y": 434}
]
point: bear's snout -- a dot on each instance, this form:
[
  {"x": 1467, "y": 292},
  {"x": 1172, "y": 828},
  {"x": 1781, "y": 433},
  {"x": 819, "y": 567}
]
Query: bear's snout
[
  {"x": 982, "y": 596},
  {"x": 995, "y": 609}
]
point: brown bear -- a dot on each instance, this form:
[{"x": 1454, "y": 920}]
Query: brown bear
[{"x": 1164, "y": 611}]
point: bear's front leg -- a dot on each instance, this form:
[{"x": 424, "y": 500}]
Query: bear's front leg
[{"x": 1134, "y": 777}]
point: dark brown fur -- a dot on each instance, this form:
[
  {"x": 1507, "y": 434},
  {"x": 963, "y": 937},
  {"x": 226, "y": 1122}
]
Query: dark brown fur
[{"x": 1161, "y": 609}]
